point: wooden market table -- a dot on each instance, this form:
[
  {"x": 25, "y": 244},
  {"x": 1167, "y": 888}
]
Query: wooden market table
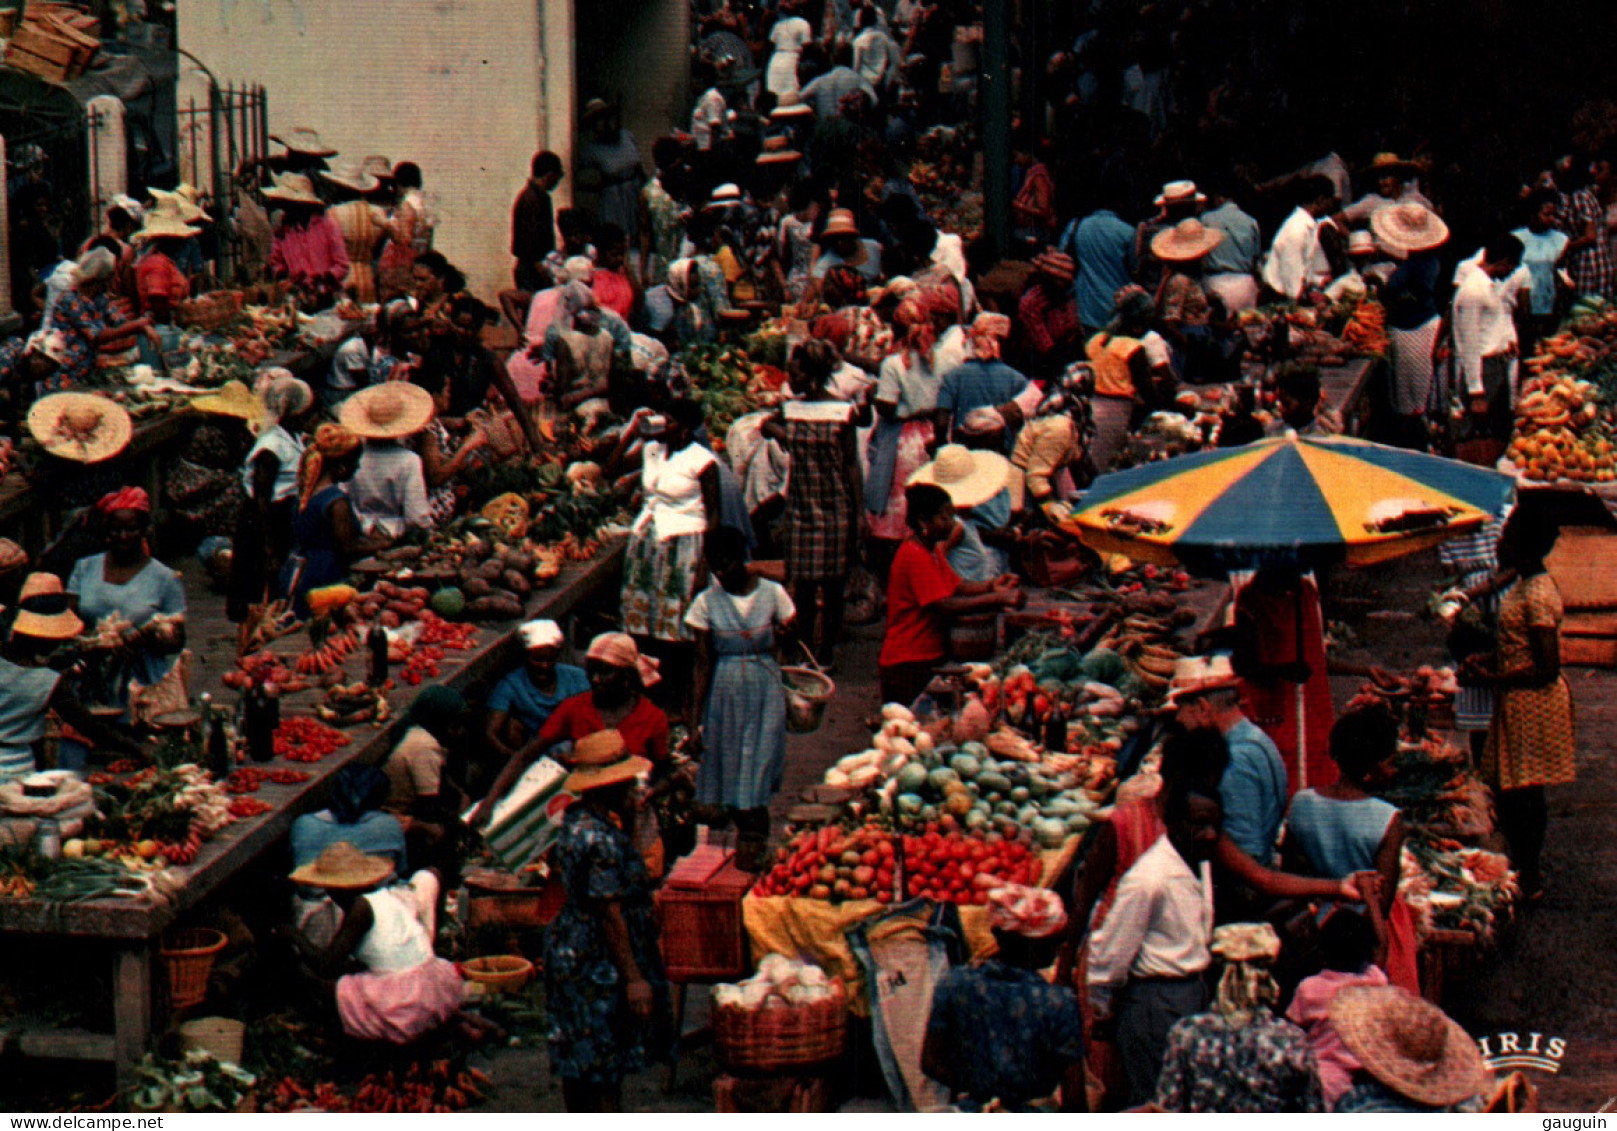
[{"x": 132, "y": 929}]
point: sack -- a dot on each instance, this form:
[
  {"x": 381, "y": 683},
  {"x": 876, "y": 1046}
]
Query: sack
[
  {"x": 163, "y": 697},
  {"x": 1052, "y": 560}
]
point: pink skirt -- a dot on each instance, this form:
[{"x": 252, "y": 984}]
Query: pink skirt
[{"x": 401, "y": 1006}]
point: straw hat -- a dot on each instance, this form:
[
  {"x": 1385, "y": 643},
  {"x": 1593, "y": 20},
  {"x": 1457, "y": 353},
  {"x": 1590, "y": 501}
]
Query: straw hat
[
  {"x": 971, "y": 478},
  {"x": 51, "y": 617},
  {"x": 158, "y": 224},
  {"x": 231, "y": 399},
  {"x": 82, "y": 427},
  {"x": 293, "y": 188},
  {"x": 343, "y": 867},
  {"x": 175, "y": 204},
  {"x": 778, "y": 151},
  {"x": 11, "y": 555},
  {"x": 1392, "y": 165},
  {"x": 1187, "y": 240},
  {"x": 1409, "y": 1044},
  {"x": 791, "y": 106},
  {"x": 377, "y": 166},
  {"x": 1180, "y": 192},
  {"x": 840, "y": 223},
  {"x": 301, "y": 139},
  {"x": 1055, "y": 264},
  {"x": 351, "y": 175},
  {"x": 602, "y": 759},
  {"x": 1361, "y": 242},
  {"x": 387, "y": 411},
  {"x": 1408, "y": 228},
  {"x": 1197, "y": 675},
  {"x": 725, "y": 195}
]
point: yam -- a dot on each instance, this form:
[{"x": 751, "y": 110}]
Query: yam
[
  {"x": 516, "y": 582},
  {"x": 490, "y": 571},
  {"x": 520, "y": 560},
  {"x": 500, "y": 606},
  {"x": 475, "y": 587}
]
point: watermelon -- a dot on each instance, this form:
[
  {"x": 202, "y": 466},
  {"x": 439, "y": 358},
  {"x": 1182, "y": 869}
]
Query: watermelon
[{"x": 449, "y": 602}]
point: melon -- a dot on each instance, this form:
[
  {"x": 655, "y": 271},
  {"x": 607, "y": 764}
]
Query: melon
[
  {"x": 1050, "y": 834},
  {"x": 448, "y": 602},
  {"x": 1020, "y": 795},
  {"x": 909, "y": 804},
  {"x": 966, "y": 766},
  {"x": 912, "y": 778},
  {"x": 940, "y": 778}
]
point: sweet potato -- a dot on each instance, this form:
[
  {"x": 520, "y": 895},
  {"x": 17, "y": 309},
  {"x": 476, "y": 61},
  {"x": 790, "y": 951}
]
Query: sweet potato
[
  {"x": 501, "y": 606},
  {"x": 516, "y": 582}
]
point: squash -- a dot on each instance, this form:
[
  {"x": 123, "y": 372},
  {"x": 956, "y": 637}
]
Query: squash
[{"x": 330, "y": 598}]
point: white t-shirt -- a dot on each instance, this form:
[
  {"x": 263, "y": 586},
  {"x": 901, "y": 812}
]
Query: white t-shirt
[
  {"x": 673, "y": 490},
  {"x": 390, "y": 489},
  {"x": 768, "y": 597},
  {"x": 288, "y": 450}
]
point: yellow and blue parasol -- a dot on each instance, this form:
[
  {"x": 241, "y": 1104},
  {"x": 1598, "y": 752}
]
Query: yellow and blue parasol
[{"x": 1307, "y": 501}]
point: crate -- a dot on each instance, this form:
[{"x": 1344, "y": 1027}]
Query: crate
[
  {"x": 699, "y": 908},
  {"x": 34, "y": 48},
  {"x": 519, "y": 908},
  {"x": 1584, "y": 566},
  {"x": 1589, "y": 639}
]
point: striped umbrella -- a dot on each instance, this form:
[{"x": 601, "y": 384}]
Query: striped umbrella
[{"x": 1306, "y": 501}]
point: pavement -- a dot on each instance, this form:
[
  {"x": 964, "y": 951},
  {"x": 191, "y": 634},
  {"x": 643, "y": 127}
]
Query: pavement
[{"x": 1552, "y": 974}]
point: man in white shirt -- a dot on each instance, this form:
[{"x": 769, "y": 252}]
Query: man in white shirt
[
  {"x": 1147, "y": 960},
  {"x": 1296, "y": 260},
  {"x": 1484, "y": 330}
]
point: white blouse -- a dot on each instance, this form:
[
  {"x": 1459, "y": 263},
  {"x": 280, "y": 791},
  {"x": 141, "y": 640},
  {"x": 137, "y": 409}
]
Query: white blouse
[{"x": 673, "y": 491}]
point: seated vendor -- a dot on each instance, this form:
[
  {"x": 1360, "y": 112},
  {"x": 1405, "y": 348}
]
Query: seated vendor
[
  {"x": 525, "y": 698},
  {"x": 134, "y": 603},
  {"x": 420, "y": 789},
  {"x": 355, "y": 817},
  {"x": 618, "y": 676},
  {"x": 403, "y": 991},
  {"x": 30, "y": 689},
  {"x": 976, "y": 482},
  {"x": 26, "y": 366}
]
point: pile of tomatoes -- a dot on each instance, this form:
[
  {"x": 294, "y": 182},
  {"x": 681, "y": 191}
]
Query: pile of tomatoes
[
  {"x": 421, "y": 664},
  {"x": 951, "y": 868},
  {"x": 302, "y": 739},
  {"x": 832, "y": 864},
  {"x": 247, "y": 779},
  {"x": 445, "y": 634},
  {"x": 243, "y": 808}
]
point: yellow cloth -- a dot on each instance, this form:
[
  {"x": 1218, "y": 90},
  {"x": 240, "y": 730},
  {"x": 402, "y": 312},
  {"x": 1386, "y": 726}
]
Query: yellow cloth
[{"x": 1110, "y": 357}]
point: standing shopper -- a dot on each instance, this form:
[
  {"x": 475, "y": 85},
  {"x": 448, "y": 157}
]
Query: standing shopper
[
  {"x": 270, "y": 477},
  {"x": 1412, "y": 1057},
  {"x": 1484, "y": 333},
  {"x": 1532, "y": 742},
  {"x": 737, "y": 621},
  {"x": 533, "y": 222},
  {"x": 605, "y": 991},
  {"x": 824, "y": 495},
  {"x": 1414, "y": 233}
]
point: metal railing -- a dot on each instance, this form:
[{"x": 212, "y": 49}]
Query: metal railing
[{"x": 228, "y": 133}]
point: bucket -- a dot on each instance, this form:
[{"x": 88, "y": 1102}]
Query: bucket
[
  {"x": 218, "y": 1036},
  {"x": 807, "y": 693}
]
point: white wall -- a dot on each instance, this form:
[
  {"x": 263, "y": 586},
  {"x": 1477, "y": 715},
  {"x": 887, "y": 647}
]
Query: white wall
[{"x": 468, "y": 89}]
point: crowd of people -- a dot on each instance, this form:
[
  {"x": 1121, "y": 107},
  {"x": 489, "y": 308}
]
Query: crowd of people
[{"x": 941, "y": 403}]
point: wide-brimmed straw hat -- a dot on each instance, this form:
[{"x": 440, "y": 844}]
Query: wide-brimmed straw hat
[
  {"x": 602, "y": 759},
  {"x": 231, "y": 399},
  {"x": 1197, "y": 675},
  {"x": 293, "y": 188},
  {"x": 378, "y": 166},
  {"x": 839, "y": 223},
  {"x": 778, "y": 151},
  {"x": 353, "y": 176},
  {"x": 1409, "y": 227},
  {"x": 176, "y": 204},
  {"x": 160, "y": 224},
  {"x": 1409, "y": 1044},
  {"x": 1187, "y": 240},
  {"x": 1180, "y": 192},
  {"x": 388, "y": 411},
  {"x": 971, "y": 478},
  {"x": 791, "y": 106},
  {"x": 83, "y": 427},
  {"x": 44, "y": 609},
  {"x": 302, "y": 139},
  {"x": 1391, "y": 164},
  {"x": 344, "y": 867}
]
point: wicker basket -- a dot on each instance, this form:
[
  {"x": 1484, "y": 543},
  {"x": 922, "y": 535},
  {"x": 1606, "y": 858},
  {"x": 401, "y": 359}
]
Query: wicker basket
[
  {"x": 499, "y": 972},
  {"x": 807, "y": 693},
  {"x": 521, "y": 908},
  {"x": 189, "y": 956},
  {"x": 210, "y": 311},
  {"x": 781, "y": 1037},
  {"x": 219, "y": 1036}
]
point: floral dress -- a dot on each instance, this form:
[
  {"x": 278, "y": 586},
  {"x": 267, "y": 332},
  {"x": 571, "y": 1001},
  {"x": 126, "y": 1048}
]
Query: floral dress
[
  {"x": 79, "y": 319},
  {"x": 1213, "y": 1064},
  {"x": 594, "y": 1038},
  {"x": 1531, "y": 741}
]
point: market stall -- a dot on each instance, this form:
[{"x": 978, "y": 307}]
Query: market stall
[{"x": 132, "y": 928}]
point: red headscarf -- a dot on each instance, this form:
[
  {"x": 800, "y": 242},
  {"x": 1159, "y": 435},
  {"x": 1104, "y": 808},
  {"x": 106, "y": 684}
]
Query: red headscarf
[
  {"x": 124, "y": 499},
  {"x": 916, "y": 335}
]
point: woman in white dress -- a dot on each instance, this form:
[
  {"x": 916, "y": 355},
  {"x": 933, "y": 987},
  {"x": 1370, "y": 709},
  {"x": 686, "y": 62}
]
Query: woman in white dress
[{"x": 790, "y": 35}]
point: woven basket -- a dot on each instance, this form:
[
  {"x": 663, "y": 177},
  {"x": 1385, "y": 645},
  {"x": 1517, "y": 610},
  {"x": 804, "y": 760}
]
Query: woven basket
[
  {"x": 220, "y": 1036},
  {"x": 209, "y": 312},
  {"x": 780, "y": 1037},
  {"x": 500, "y": 972},
  {"x": 189, "y": 956},
  {"x": 807, "y": 693}
]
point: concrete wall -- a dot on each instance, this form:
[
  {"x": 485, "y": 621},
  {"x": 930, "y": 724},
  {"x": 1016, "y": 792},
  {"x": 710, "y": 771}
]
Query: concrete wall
[{"x": 468, "y": 89}]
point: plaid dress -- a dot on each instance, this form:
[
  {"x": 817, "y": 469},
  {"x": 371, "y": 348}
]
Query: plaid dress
[
  {"x": 820, "y": 515},
  {"x": 1592, "y": 269}
]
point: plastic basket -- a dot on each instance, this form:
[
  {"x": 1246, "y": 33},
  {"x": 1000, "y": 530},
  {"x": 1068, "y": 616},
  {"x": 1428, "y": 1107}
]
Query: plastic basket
[
  {"x": 189, "y": 957},
  {"x": 499, "y": 972},
  {"x": 807, "y": 693},
  {"x": 784, "y": 1036}
]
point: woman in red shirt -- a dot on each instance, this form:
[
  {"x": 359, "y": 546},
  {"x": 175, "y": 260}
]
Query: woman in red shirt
[
  {"x": 923, "y": 593},
  {"x": 159, "y": 282},
  {"x": 616, "y": 700}
]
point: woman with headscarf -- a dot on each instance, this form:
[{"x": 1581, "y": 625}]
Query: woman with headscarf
[
  {"x": 526, "y": 697},
  {"x": 32, "y": 689},
  {"x": 906, "y": 402},
  {"x": 270, "y": 476},
  {"x": 409, "y": 232},
  {"x": 696, "y": 288},
  {"x": 422, "y": 783},
  {"x": 981, "y": 381},
  {"x": 1133, "y": 366},
  {"x": 326, "y": 534},
  {"x": 605, "y": 990},
  {"x": 619, "y": 676},
  {"x": 1240, "y": 1057},
  {"x": 126, "y": 592},
  {"x": 583, "y": 345},
  {"x": 528, "y": 366},
  {"x": 1052, "y": 449},
  {"x": 97, "y": 333}
]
